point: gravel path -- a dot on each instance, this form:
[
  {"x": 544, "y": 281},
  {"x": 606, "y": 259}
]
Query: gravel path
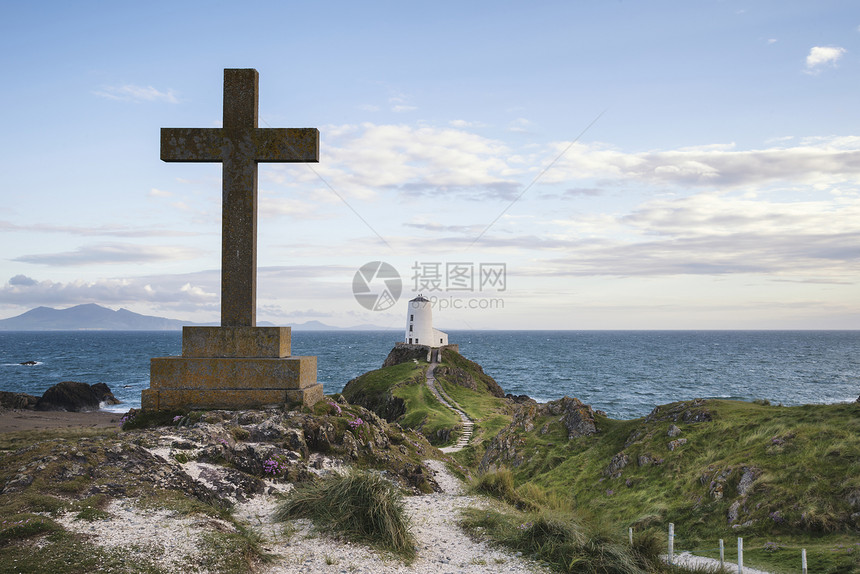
[
  {"x": 442, "y": 546},
  {"x": 173, "y": 540},
  {"x": 468, "y": 424}
]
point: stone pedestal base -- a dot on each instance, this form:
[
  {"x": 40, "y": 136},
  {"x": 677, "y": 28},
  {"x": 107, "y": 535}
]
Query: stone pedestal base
[{"x": 232, "y": 368}]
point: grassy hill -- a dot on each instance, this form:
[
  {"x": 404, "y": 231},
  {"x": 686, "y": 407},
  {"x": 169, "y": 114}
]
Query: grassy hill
[
  {"x": 399, "y": 393},
  {"x": 783, "y": 478}
]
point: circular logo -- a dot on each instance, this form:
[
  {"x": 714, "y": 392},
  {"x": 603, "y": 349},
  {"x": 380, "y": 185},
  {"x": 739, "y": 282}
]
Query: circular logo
[{"x": 376, "y": 286}]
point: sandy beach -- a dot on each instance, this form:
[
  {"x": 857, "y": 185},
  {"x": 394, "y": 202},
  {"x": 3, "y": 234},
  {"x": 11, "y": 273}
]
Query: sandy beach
[{"x": 24, "y": 420}]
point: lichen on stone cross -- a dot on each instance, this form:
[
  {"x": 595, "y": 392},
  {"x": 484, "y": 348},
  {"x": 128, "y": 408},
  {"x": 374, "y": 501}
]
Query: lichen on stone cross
[{"x": 239, "y": 145}]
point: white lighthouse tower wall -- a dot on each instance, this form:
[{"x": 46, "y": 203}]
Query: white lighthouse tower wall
[
  {"x": 419, "y": 322},
  {"x": 419, "y": 325}
]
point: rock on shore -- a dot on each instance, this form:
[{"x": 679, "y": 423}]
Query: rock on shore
[{"x": 66, "y": 396}]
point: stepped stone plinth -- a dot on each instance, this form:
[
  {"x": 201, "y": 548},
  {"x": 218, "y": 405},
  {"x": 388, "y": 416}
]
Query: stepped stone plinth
[{"x": 232, "y": 368}]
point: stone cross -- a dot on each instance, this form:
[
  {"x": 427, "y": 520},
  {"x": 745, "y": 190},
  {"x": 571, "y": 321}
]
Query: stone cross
[{"x": 239, "y": 145}]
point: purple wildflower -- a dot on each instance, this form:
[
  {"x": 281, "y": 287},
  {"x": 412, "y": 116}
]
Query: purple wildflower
[{"x": 271, "y": 466}]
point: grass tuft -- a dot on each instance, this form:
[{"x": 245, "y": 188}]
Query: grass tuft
[
  {"x": 359, "y": 505},
  {"x": 500, "y": 484},
  {"x": 564, "y": 542},
  {"x": 23, "y": 526},
  {"x": 140, "y": 419}
]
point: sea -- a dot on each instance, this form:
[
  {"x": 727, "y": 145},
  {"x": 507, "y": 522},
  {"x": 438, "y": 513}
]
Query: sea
[{"x": 624, "y": 373}]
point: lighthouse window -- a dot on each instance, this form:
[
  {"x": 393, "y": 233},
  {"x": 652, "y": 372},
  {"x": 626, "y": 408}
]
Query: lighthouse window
[
  {"x": 410, "y": 328},
  {"x": 411, "y": 317}
]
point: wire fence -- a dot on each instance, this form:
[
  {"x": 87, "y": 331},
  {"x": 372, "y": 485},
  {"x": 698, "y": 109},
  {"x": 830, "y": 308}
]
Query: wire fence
[{"x": 672, "y": 553}]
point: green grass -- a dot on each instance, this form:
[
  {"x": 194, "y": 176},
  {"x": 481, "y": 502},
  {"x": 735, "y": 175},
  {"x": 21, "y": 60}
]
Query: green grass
[
  {"x": 806, "y": 459},
  {"x": 490, "y": 414},
  {"x": 376, "y": 390},
  {"x": 425, "y": 413},
  {"x": 567, "y": 543},
  {"x": 234, "y": 552},
  {"x": 379, "y": 382},
  {"x": 360, "y": 506},
  {"x": 11, "y": 441},
  {"x": 140, "y": 419},
  {"x": 60, "y": 551}
]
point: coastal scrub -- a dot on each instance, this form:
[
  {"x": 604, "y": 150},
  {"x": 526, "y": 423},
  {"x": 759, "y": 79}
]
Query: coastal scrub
[{"x": 359, "y": 505}]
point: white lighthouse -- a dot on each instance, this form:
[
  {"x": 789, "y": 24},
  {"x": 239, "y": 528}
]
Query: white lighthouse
[{"x": 419, "y": 325}]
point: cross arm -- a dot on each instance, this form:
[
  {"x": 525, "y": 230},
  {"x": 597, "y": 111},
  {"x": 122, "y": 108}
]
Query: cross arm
[
  {"x": 287, "y": 144},
  {"x": 192, "y": 144}
]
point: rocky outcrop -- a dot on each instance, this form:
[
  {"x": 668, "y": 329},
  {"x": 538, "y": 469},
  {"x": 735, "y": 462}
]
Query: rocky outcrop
[
  {"x": 384, "y": 404},
  {"x": 732, "y": 482},
  {"x": 9, "y": 400},
  {"x": 459, "y": 370},
  {"x": 75, "y": 397},
  {"x": 574, "y": 416},
  {"x": 674, "y": 444},
  {"x": 405, "y": 354},
  {"x": 224, "y": 457},
  {"x": 466, "y": 379},
  {"x": 694, "y": 411},
  {"x": 616, "y": 465}
]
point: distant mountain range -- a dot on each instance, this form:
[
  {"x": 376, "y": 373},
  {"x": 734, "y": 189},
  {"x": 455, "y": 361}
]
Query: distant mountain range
[{"x": 92, "y": 317}]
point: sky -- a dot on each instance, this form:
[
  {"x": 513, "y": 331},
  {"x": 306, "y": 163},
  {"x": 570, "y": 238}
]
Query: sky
[{"x": 525, "y": 165}]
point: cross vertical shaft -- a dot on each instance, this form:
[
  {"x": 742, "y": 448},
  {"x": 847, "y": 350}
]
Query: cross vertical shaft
[
  {"x": 239, "y": 200},
  {"x": 240, "y": 145}
]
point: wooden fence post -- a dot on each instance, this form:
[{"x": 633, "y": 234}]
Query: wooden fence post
[
  {"x": 671, "y": 541},
  {"x": 630, "y": 535},
  {"x": 803, "y": 560},
  {"x": 740, "y": 556},
  {"x": 722, "y": 556}
]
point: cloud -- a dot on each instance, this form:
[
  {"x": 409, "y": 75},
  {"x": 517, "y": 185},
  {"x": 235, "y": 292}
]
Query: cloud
[
  {"x": 717, "y": 234},
  {"x": 520, "y": 125},
  {"x": 272, "y": 206},
  {"x": 196, "y": 294},
  {"x": 577, "y": 192},
  {"x": 822, "y": 161},
  {"x": 279, "y": 311},
  {"x": 439, "y": 228},
  {"x": 462, "y": 124},
  {"x": 137, "y": 94},
  {"x": 823, "y": 56},
  {"x": 715, "y": 214},
  {"x": 111, "y": 253},
  {"x": 399, "y": 105},
  {"x": 173, "y": 291},
  {"x": 23, "y": 281},
  {"x": 363, "y": 160},
  {"x": 372, "y": 161},
  {"x": 107, "y": 231},
  {"x": 705, "y": 234}
]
